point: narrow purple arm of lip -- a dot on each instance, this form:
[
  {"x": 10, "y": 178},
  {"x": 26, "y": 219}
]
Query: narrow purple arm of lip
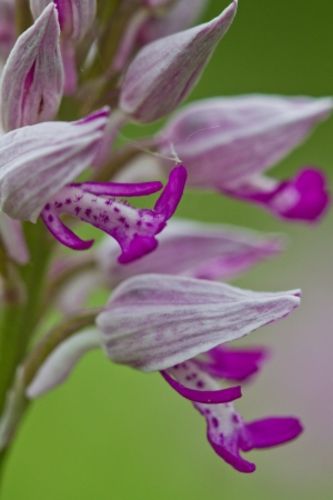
[
  {"x": 173, "y": 192},
  {"x": 63, "y": 234},
  {"x": 202, "y": 396},
  {"x": 120, "y": 189}
]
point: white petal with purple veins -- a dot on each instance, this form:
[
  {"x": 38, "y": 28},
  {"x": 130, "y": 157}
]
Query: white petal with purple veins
[{"x": 173, "y": 319}]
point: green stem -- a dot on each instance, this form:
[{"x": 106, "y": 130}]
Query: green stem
[
  {"x": 16, "y": 403},
  {"x": 20, "y": 319},
  {"x": 3, "y": 459}
]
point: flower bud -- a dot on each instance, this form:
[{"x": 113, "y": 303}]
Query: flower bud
[
  {"x": 32, "y": 79},
  {"x": 165, "y": 71},
  {"x": 75, "y": 16}
]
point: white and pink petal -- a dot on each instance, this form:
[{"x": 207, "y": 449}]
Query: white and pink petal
[
  {"x": 175, "y": 318},
  {"x": 38, "y": 160}
]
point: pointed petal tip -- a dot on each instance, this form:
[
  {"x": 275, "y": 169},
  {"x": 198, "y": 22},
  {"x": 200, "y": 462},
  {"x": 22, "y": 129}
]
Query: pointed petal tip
[{"x": 225, "y": 18}]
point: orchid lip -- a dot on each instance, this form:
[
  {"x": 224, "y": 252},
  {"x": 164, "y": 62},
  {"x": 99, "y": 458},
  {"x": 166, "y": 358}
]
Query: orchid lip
[{"x": 96, "y": 204}]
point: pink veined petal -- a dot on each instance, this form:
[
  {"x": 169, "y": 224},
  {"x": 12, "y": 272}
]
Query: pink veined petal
[
  {"x": 32, "y": 79},
  {"x": 164, "y": 72},
  {"x": 224, "y": 141},
  {"x": 37, "y": 161},
  {"x": 194, "y": 249},
  {"x": 175, "y": 318},
  {"x": 70, "y": 70},
  {"x": 201, "y": 395},
  {"x": 75, "y": 16}
]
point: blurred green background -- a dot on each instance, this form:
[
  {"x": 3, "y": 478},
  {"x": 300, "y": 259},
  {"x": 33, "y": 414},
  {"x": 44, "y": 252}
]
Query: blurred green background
[{"x": 112, "y": 433}]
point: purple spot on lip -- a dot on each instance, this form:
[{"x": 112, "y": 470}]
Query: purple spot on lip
[
  {"x": 215, "y": 422},
  {"x": 68, "y": 201},
  {"x": 50, "y": 218},
  {"x": 88, "y": 212},
  {"x": 47, "y": 207}
]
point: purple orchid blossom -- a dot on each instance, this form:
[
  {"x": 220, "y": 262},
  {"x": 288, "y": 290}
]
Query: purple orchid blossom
[
  {"x": 227, "y": 145},
  {"x": 197, "y": 316},
  {"x": 70, "y": 149},
  {"x": 72, "y": 75}
]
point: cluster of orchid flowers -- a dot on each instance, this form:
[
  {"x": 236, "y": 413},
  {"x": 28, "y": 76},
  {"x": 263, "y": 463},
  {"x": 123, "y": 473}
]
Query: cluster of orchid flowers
[{"x": 168, "y": 311}]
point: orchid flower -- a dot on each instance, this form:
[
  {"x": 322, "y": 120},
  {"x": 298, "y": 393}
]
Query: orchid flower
[
  {"x": 73, "y": 73},
  {"x": 173, "y": 322},
  {"x": 37, "y": 165},
  {"x": 228, "y": 144}
]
